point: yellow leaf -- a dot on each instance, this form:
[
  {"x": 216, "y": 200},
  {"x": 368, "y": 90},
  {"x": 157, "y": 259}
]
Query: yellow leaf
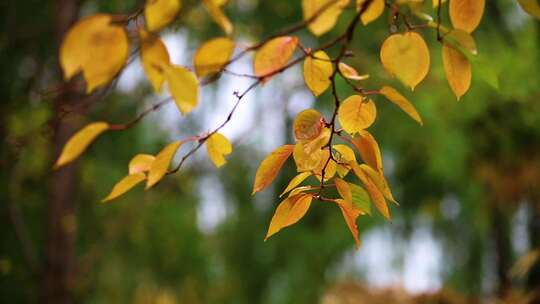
[
  {"x": 436, "y": 3},
  {"x": 355, "y": 114},
  {"x": 159, "y": 13},
  {"x": 274, "y": 55},
  {"x": 369, "y": 150},
  {"x": 218, "y": 146},
  {"x": 154, "y": 57},
  {"x": 343, "y": 154},
  {"x": 161, "y": 163},
  {"x": 328, "y": 14},
  {"x": 220, "y": 3},
  {"x": 379, "y": 180},
  {"x": 466, "y": 14},
  {"x": 299, "y": 190},
  {"x": 295, "y": 181},
  {"x": 306, "y": 161},
  {"x": 458, "y": 70},
  {"x": 290, "y": 211},
  {"x": 532, "y": 7},
  {"x": 97, "y": 48},
  {"x": 78, "y": 143},
  {"x": 212, "y": 56},
  {"x": 376, "y": 195},
  {"x": 402, "y": 102},
  {"x": 318, "y": 142},
  {"x": 331, "y": 166},
  {"x": 350, "y": 73},
  {"x": 270, "y": 166},
  {"x": 308, "y": 124},
  {"x": 406, "y": 56},
  {"x": 317, "y": 72},
  {"x": 350, "y": 214},
  {"x": 461, "y": 39},
  {"x": 124, "y": 186},
  {"x": 344, "y": 189},
  {"x": 218, "y": 16},
  {"x": 374, "y": 11},
  {"x": 141, "y": 163},
  {"x": 184, "y": 87}
]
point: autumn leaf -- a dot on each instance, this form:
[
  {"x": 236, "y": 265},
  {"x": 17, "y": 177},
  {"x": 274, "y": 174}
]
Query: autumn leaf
[
  {"x": 374, "y": 11},
  {"x": 154, "y": 57},
  {"x": 161, "y": 163},
  {"x": 458, "y": 70},
  {"x": 124, "y": 186},
  {"x": 328, "y": 14},
  {"x": 406, "y": 56},
  {"x": 218, "y": 16},
  {"x": 399, "y": 100},
  {"x": 379, "y": 180},
  {"x": 466, "y": 14},
  {"x": 218, "y": 146},
  {"x": 141, "y": 163},
  {"x": 360, "y": 199},
  {"x": 317, "y": 72},
  {"x": 376, "y": 195},
  {"x": 355, "y": 114},
  {"x": 212, "y": 56},
  {"x": 159, "y": 13},
  {"x": 369, "y": 150},
  {"x": 308, "y": 124},
  {"x": 343, "y": 189},
  {"x": 350, "y": 73},
  {"x": 532, "y": 7},
  {"x": 184, "y": 87},
  {"x": 329, "y": 166},
  {"x": 295, "y": 181},
  {"x": 270, "y": 166},
  {"x": 462, "y": 41},
  {"x": 97, "y": 48},
  {"x": 78, "y": 143},
  {"x": 350, "y": 215},
  {"x": 343, "y": 154},
  {"x": 290, "y": 211},
  {"x": 274, "y": 55},
  {"x": 306, "y": 161}
]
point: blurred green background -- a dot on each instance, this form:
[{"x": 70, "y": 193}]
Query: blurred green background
[{"x": 467, "y": 181}]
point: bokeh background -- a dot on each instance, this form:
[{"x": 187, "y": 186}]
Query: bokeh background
[{"x": 467, "y": 181}]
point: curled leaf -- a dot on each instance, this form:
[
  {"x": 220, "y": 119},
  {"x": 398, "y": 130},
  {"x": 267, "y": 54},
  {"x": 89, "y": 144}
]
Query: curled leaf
[
  {"x": 270, "y": 166},
  {"x": 78, "y": 143},
  {"x": 290, "y": 211},
  {"x": 308, "y": 124},
  {"x": 124, "y": 186},
  {"x": 350, "y": 73},
  {"x": 212, "y": 56},
  {"x": 355, "y": 114},
  {"x": 317, "y": 72},
  {"x": 218, "y": 146},
  {"x": 399, "y": 100},
  {"x": 161, "y": 163}
]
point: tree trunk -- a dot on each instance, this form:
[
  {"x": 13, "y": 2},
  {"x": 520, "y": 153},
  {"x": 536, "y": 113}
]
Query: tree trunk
[{"x": 59, "y": 270}]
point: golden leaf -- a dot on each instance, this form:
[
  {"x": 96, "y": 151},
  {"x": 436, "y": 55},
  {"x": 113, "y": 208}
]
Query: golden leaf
[
  {"x": 458, "y": 70},
  {"x": 380, "y": 182},
  {"x": 374, "y": 11},
  {"x": 218, "y": 16},
  {"x": 306, "y": 161},
  {"x": 161, "y": 163},
  {"x": 295, "y": 181},
  {"x": 78, "y": 143},
  {"x": 97, "y": 48},
  {"x": 436, "y": 3},
  {"x": 344, "y": 189},
  {"x": 184, "y": 87},
  {"x": 461, "y": 39},
  {"x": 141, "y": 163},
  {"x": 343, "y": 154},
  {"x": 376, "y": 195},
  {"x": 350, "y": 73},
  {"x": 270, "y": 166},
  {"x": 274, "y": 55},
  {"x": 212, "y": 56},
  {"x": 124, "y": 186},
  {"x": 290, "y": 211},
  {"x": 308, "y": 124},
  {"x": 154, "y": 57},
  {"x": 350, "y": 214},
  {"x": 406, "y": 56},
  {"x": 218, "y": 146},
  {"x": 369, "y": 150},
  {"x": 159, "y": 13},
  {"x": 317, "y": 72},
  {"x": 399, "y": 100},
  {"x": 331, "y": 166},
  {"x": 532, "y": 7},
  {"x": 328, "y": 14},
  {"x": 466, "y": 14},
  {"x": 355, "y": 114}
]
